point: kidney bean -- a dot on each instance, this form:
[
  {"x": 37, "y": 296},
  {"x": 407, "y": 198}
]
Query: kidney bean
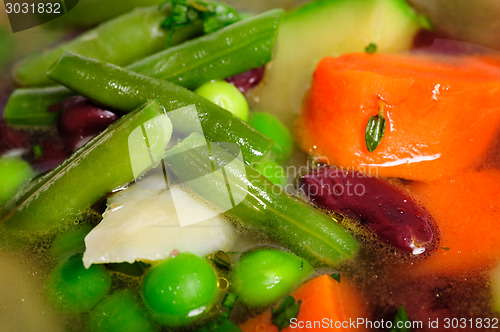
[
  {"x": 81, "y": 120},
  {"x": 442, "y": 42},
  {"x": 48, "y": 153},
  {"x": 11, "y": 138},
  {"x": 390, "y": 212},
  {"x": 247, "y": 80}
]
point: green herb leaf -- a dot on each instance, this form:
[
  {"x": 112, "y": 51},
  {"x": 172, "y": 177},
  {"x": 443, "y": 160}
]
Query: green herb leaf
[
  {"x": 445, "y": 248},
  {"x": 220, "y": 324},
  {"x": 375, "y": 130},
  {"x": 221, "y": 260},
  {"x": 183, "y": 12},
  {"x": 371, "y": 48},
  {"x": 425, "y": 22},
  {"x": 287, "y": 310},
  {"x": 335, "y": 276},
  {"x": 399, "y": 320},
  {"x": 38, "y": 150},
  {"x": 229, "y": 302}
]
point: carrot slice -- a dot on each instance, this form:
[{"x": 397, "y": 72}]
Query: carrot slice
[
  {"x": 325, "y": 302},
  {"x": 442, "y": 114},
  {"x": 466, "y": 211}
]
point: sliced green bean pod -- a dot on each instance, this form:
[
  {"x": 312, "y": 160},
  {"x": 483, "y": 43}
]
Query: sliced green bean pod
[
  {"x": 14, "y": 172},
  {"x": 32, "y": 106},
  {"x": 91, "y": 12},
  {"x": 123, "y": 89},
  {"x": 263, "y": 206},
  {"x": 234, "y": 49},
  {"x": 104, "y": 164},
  {"x": 120, "y": 41}
]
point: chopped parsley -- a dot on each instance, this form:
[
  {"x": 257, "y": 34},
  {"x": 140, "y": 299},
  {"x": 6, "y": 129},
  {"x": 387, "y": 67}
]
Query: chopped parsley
[
  {"x": 221, "y": 260},
  {"x": 222, "y": 323},
  {"x": 400, "y": 320},
  {"x": 229, "y": 302},
  {"x": 287, "y": 310},
  {"x": 37, "y": 150},
  {"x": 184, "y": 12},
  {"x": 335, "y": 276},
  {"x": 375, "y": 129},
  {"x": 371, "y": 48}
]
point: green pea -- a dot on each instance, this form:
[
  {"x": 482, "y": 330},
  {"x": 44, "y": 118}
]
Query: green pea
[
  {"x": 69, "y": 243},
  {"x": 179, "y": 290},
  {"x": 271, "y": 170},
  {"x": 120, "y": 312},
  {"x": 262, "y": 277},
  {"x": 14, "y": 172},
  {"x": 225, "y": 95},
  {"x": 270, "y": 126},
  {"x": 72, "y": 288}
]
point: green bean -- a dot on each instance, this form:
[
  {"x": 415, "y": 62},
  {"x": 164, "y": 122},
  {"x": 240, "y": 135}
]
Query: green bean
[
  {"x": 234, "y": 49},
  {"x": 120, "y": 41},
  {"x": 31, "y": 106},
  {"x": 91, "y": 12},
  {"x": 271, "y": 170},
  {"x": 54, "y": 200},
  {"x": 123, "y": 89},
  {"x": 263, "y": 206}
]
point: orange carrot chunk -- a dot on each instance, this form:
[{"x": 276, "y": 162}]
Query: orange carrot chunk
[
  {"x": 465, "y": 209},
  {"x": 441, "y": 113},
  {"x": 325, "y": 302}
]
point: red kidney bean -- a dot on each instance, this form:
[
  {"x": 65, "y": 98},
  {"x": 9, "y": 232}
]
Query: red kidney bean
[
  {"x": 248, "y": 79},
  {"x": 442, "y": 42},
  {"x": 390, "y": 212},
  {"x": 48, "y": 152},
  {"x": 82, "y": 120},
  {"x": 421, "y": 299},
  {"x": 11, "y": 138}
]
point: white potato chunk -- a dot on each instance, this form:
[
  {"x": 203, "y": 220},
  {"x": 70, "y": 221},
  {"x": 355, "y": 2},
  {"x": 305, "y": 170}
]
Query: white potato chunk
[{"x": 141, "y": 223}]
